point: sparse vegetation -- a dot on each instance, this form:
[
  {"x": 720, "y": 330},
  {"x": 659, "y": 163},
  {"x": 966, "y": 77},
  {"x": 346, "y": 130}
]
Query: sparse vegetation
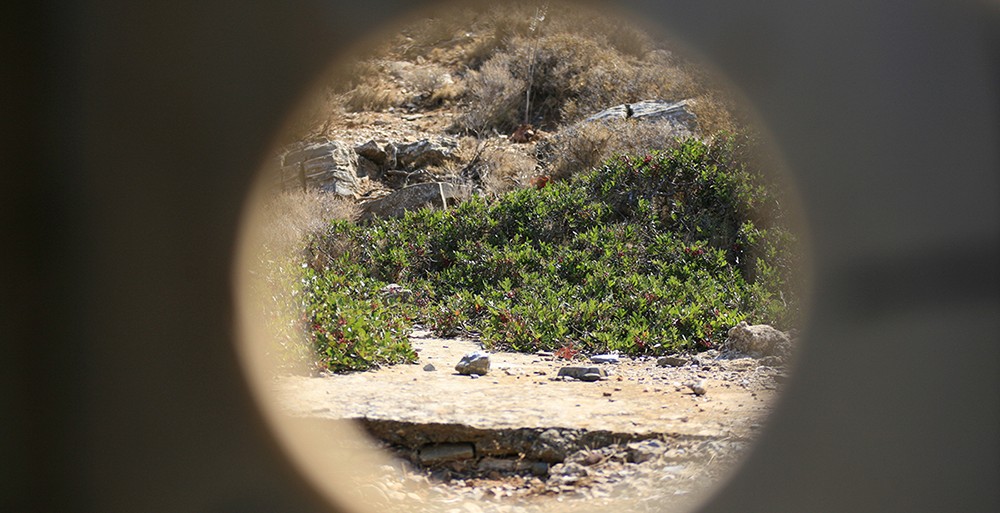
[
  {"x": 495, "y": 64},
  {"x": 587, "y": 145},
  {"x": 506, "y": 168},
  {"x": 375, "y": 95},
  {"x": 571, "y": 74}
]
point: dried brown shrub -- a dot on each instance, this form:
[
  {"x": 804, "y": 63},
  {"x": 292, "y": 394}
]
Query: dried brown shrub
[
  {"x": 288, "y": 218},
  {"x": 574, "y": 61},
  {"x": 375, "y": 95},
  {"x": 572, "y": 75},
  {"x": 578, "y": 149},
  {"x": 629, "y": 40},
  {"x": 496, "y": 164},
  {"x": 447, "y": 92},
  {"x": 438, "y": 29},
  {"x": 419, "y": 79},
  {"x": 495, "y": 96},
  {"x": 584, "y": 146},
  {"x": 714, "y": 115},
  {"x": 506, "y": 167},
  {"x": 428, "y": 84}
]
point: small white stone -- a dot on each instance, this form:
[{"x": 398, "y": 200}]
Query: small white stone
[{"x": 698, "y": 388}]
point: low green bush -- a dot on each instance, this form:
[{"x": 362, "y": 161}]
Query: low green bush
[
  {"x": 353, "y": 322},
  {"x": 647, "y": 254}
]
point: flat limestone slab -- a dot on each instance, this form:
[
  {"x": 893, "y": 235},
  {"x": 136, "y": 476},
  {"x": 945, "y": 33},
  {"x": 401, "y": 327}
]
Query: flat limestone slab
[{"x": 522, "y": 390}]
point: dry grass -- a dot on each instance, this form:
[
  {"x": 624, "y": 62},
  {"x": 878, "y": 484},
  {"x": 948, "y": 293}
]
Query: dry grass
[
  {"x": 290, "y": 217},
  {"x": 438, "y": 30},
  {"x": 495, "y": 164},
  {"x": 715, "y": 114},
  {"x": 507, "y": 167},
  {"x": 495, "y": 98},
  {"x": 575, "y": 61},
  {"x": 481, "y": 63},
  {"x": 377, "y": 95},
  {"x": 576, "y": 64},
  {"x": 585, "y": 146},
  {"x": 447, "y": 93},
  {"x": 285, "y": 223},
  {"x": 428, "y": 84}
]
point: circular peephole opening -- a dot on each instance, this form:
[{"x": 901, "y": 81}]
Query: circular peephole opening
[{"x": 523, "y": 258}]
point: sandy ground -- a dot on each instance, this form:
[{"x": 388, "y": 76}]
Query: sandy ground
[
  {"x": 705, "y": 434},
  {"x": 519, "y": 391}
]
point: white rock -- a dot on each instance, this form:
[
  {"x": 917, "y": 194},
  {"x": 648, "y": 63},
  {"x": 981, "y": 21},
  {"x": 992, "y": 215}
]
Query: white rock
[
  {"x": 329, "y": 165},
  {"x": 698, "y": 388},
  {"x": 604, "y": 358},
  {"x": 757, "y": 340}
]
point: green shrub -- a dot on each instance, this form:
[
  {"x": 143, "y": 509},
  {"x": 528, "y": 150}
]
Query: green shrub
[
  {"x": 645, "y": 255},
  {"x": 352, "y": 323}
]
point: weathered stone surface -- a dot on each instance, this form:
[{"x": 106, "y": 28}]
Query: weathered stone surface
[
  {"x": 336, "y": 167},
  {"x": 645, "y": 450},
  {"x": 474, "y": 363},
  {"x": 505, "y": 464},
  {"x": 367, "y": 168},
  {"x": 568, "y": 473},
  {"x": 551, "y": 446},
  {"x": 540, "y": 468},
  {"x": 757, "y": 340},
  {"x": 583, "y": 373},
  {"x": 306, "y": 151},
  {"x": 496, "y": 464},
  {"x": 430, "y": 367},
  {"x": 591, "y": 471},
  {"x": 675, "y": 113},
  {"x": 604, "y": 358},
  {"x": 329, "y": 165},
  {"x": 672, "y": 361},
  {"x": 440, "y": 453},
  {"x": 434, "y": 195},
  {"x": 378, "y": 155},
  {"x": 426, "y": 152}
]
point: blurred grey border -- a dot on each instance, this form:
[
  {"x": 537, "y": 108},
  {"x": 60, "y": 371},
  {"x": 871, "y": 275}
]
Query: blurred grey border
[{"x": 131, "y": 131}]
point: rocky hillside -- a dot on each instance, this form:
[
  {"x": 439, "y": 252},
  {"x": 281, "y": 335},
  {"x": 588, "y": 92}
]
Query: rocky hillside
[{"x": 485, "y": 102}]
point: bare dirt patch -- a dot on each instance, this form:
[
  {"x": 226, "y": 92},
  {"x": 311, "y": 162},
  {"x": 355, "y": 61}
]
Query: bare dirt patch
[{"x": 521, "y": 432}]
